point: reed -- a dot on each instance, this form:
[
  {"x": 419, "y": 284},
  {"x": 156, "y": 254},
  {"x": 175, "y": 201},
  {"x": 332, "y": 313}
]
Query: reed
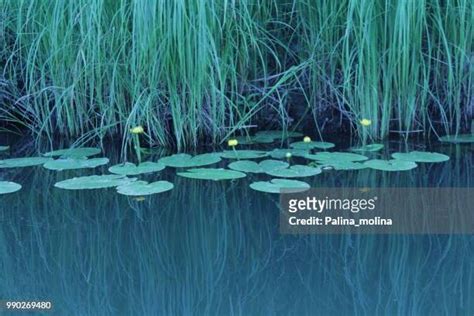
[{"x": 199, "y": 71}]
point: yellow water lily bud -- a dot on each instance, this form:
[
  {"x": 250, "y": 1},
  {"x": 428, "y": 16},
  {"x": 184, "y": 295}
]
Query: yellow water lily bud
[
  {"x": 307, "y": 139},
  {"x": 232, "y": 142},
  {"x": 288, "y": 155},
  {"x": 137, "y": 130},
  {"x": 365, "y": 122}
]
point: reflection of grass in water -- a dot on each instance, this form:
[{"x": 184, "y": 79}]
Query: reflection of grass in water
[{"x": 214, "y": 247}]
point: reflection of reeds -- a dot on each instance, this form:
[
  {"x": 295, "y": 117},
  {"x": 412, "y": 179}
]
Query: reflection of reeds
[
  {"x": 188, "y": 69},
  {"x": 214, "y": 248}
]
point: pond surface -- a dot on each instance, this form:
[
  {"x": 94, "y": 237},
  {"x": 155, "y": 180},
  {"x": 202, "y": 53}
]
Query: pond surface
[{"x": 214, "y": 248}]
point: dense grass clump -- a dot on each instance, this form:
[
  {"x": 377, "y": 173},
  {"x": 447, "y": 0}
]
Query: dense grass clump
[{"x": 194, "y": 71}]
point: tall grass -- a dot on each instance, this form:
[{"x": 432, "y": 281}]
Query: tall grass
[
  {"x": 200, "y": 71},
  {"x": 406, "y": 65}
]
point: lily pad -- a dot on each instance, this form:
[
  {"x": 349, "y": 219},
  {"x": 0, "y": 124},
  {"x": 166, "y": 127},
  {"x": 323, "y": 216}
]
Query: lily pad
[
  {"x": 276, "y": 185},
  {"x": 258, "y": 139},
  {"x": 140, "y": 188},
  {"x": 421, "y": 156},
  {"x": 23, "y": 162},
  {"x": 461, "y": 138},
  {"x": 369, "y": 148},
  {"x": 214, "y": 174},
  {"x": 336, "y": 156},
  {"x": 72, "y": 163},
  {"x": 312, "y": 145},
  {"x": 280, "y": 153},
  {"x": 188, "y": 161},
  {"x": 94, "y": 182},
  {"x": 295, "y": 171},
  {"x": 279, "y": 134},
  {"x": 390, "y": 165},
  {"x": 243, "y": 154},
  {"x": 130, "y": 169},
  {"x": 74, "y": 152},
  {"x": 254, "y": 167},
  {"x": 3, "y": 148},
  {"x": 342, "y": 165},
  {"x": 9, "y": 187}
]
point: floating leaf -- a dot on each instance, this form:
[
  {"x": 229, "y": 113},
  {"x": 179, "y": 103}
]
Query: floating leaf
[
  {"x": 342, "y": 165},
  {"x": 188, "y": 161},
  {"x": 461, "y": 138},
  {"x": 23, "y": 162},
  {"x": 336, "y": 156},
  {"x": 390, "y": 165},
  {"x": 420, "y": 156},
  {"x": 94, "y": 182},
  {"x": 259, "y": 139},
  {"x": 3, "y": 148},
  {"x": 72, "y": 163},
  {"x": 130, "y": 169},
  {"x": 312, "y": 145},
  {"x": 370, "y": 147},
  {"x": 243, "y": 154},
  {"x": 276, "y": 185},
  {"x": 254, "y": 167},
  {"x": 9, "y": 187},
  {"x": 295, "y": 171},
  {"x": 279, "y": 134},
  {"x": 139, "y": 188},
  {"x": 212, "y": 174},
  {"x": 74, "y": 152},
  {"x": 280, "y": 153}
]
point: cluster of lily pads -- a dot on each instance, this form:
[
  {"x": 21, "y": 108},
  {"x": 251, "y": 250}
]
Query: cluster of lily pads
[{"x": 275, "y": 163}]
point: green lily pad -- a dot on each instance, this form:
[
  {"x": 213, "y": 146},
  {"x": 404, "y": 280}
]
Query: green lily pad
[
  {"x": 212, "y": 174},
  {"x": 3, "y": 148},
  {"x": 312, "y": 145},
  {"x": 139, "y": 188},
  {"x": 295, "y": 171},
  {"x": 94, "y": 182},
  {"x": 370, "y": 147},
  {"x": 461, "y": 138},
  {"x": 280, "y": 153},
  {"x": 336, "y": 156},
  {"x": 9, "y": 187},
  {"x": 23, "y": 162},
  {"x": 72, "y": 163},
  {"x": 279, "y": 134},
  {"x": 74, "y": 152},
  {"x": 276, "y": 185},
  {"x": 188, "y": 161},
  {"x": 258, "y": 139},
  {"x": 342, "y": 165},
  {"x": 420, "y": 156},
  {"x": 254, "y": 167},
  {"x": 390, "y": 165},
  {"x": 243, "y": 154},
  {"x": 130, "y": 169}
]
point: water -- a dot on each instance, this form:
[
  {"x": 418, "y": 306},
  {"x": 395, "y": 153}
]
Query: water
[{"x": 209, "y": 248}]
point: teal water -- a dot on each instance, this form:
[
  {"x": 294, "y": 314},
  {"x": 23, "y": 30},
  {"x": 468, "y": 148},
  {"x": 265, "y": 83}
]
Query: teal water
[{"x": 209, "y": 248}]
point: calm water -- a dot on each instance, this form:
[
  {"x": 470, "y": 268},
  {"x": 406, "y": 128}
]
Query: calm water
[{"x": 209, "y": 248}]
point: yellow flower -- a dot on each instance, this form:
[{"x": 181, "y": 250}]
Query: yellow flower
[
  {"x": 140, "y": 198},
  {"x": 365, "y": 122},
  {"x": 137, "y": 130},
  {"x": 232, "y": 142},
  {"x": 307, "y": 139},
  {"x": 288, "y": 155}
]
